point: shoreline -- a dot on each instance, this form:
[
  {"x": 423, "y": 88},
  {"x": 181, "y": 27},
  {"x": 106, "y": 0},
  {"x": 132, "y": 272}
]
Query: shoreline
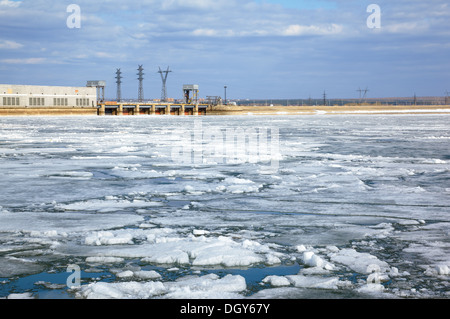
[
  {"x": 329, "y": 110},
  {"x": 249, "y": 110}
]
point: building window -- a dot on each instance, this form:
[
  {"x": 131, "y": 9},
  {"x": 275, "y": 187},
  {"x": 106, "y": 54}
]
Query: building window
[{"x": 4, "y": 100}]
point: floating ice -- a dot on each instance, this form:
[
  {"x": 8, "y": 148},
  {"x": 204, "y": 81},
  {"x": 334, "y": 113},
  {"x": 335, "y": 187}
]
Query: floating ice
[
  {"x": 104, "y": 192},
  {"x": 277, "y": 281},
  {"x": 108, "y": 238},
  {"x": 104, "y": 260},
  {"x": 238, "y": 185},
  {"x": 205, "y": 287},
  {"x": 25, "y": 295},
  {"x": 122, "y": 290},
  {"x": 110, "y": 204},
  {"x": 311, "y": 259},
  {"x": 314, "y": 282},
  {"x": 362, "y": 263}
]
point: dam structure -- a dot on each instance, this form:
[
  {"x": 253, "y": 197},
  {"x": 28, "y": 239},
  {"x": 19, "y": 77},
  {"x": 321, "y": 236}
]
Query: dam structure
[
  {"x": 114, "y": 108},
  {"x": 89, "y": 100}
]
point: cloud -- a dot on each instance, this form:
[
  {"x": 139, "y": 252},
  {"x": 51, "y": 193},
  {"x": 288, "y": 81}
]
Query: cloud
[
  {"x": 25, "y": 61},
  {"x": 10, "y": 45},
  {"x": 258, "y": 46},
  {"x": 297, "y": 30},
  {"x": 9, "y": 3}
]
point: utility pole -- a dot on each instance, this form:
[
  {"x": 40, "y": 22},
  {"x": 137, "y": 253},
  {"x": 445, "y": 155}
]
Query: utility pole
[
  {"x": 119, "y": 82},
  {"x": 164, "y": 75},
  {"x": 141, "y": 86},
  {"x": 225, "y": 87}
]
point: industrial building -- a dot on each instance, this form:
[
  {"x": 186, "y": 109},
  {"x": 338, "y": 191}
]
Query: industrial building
[
  {"x": 47, "y": 96},
  {"x": 90, "y": 100}
]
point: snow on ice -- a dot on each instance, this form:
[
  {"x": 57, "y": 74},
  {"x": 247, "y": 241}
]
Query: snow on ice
[{"x": 355, "y": 208}]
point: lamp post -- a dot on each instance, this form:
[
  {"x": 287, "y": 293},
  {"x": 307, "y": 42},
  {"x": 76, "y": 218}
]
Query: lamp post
[{"x": 225, "y": 94}]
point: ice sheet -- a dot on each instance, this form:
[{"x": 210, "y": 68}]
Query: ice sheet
[{"x": 352, "y": 198}]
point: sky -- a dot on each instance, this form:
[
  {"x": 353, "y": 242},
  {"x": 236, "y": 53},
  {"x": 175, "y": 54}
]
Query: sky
[{"x": 259, "y": 49}]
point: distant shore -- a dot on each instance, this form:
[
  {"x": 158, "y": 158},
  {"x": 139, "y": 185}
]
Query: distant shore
[
  {"x": 314, "y": 110},
  {"x": 251, "y": 110}
]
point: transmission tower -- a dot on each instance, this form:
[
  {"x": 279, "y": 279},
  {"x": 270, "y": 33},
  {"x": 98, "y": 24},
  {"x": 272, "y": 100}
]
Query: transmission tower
[
  {"x": 361, "y": 96},
  {"x": 164, "y": 75},
  {"x": 324, "y": 98},
  {"x": 447, "y": 98},
  {"x": 141, "y": 86},
  {"x": 119, "y": 83}
]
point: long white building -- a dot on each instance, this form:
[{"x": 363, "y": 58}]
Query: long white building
[{"x": 47, "y": 96}]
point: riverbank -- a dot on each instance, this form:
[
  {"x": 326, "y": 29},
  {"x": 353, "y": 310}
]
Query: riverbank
[
  {"x": 305, "y": 110},
  {"x": 248, "y": 110},
  {"x": 46, "y": 111}
]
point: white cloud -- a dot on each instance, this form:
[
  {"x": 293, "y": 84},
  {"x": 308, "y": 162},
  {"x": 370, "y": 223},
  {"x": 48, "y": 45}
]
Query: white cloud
[
  {"x": 194, "y": 4},
  {"x": 10, "y": 45},
  {"x": 407, "y": 28},
  {"x": 297, "y": 30},
  {"x": 9, "y": 3},
  {"x": 24, "y": 61}
]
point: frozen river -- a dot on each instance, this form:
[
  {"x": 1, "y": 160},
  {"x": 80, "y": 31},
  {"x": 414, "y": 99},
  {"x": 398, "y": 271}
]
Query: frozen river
[{"x": 344, "y": 206}]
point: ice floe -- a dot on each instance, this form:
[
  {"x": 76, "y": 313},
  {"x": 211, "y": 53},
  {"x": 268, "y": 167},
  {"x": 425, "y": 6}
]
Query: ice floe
[{"x": 354, "y": 208}]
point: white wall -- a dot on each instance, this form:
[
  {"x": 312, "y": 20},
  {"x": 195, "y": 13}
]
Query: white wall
[{"x": 47, "y": 96}]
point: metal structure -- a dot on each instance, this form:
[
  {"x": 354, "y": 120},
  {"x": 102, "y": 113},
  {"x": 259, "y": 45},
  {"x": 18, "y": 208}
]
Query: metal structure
[
  {"x": 447, "y": 98},
  {"x": 141, "y": 86},
  {"x": 190, "y": 93},
  {"x": 324, "y": 98},
  {"x": 361, "y": 96},
  {"x": 214, "y": 100},
  {"x": 100, "y": 86},
  {"x": 225, "y": 87},
  {"x": 119, "y": 83},
  {"x": 164, "y": 75}
]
